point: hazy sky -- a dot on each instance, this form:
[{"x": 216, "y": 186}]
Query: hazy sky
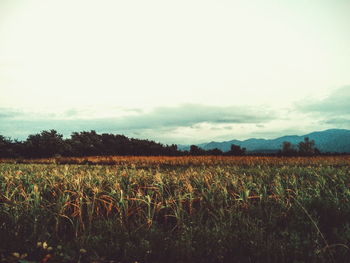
[{"x": 175, "y": 71}]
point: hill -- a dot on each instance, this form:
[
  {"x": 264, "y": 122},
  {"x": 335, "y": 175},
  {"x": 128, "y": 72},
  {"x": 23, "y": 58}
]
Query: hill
[{"x": 332, "y": 140}]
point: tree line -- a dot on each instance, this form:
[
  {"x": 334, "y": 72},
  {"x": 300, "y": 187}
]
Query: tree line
[
  {"x": 89, "y": 143},
  {"x": 304, "y": 148}
]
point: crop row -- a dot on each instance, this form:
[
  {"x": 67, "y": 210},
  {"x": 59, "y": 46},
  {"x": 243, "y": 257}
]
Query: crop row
[{"x": 242, "y": 209}]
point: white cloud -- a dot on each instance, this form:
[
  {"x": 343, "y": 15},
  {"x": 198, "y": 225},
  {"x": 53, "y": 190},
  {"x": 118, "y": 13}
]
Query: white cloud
[
  {"x": 146, "y": 54},
  {"x": 125, "y": 66}
]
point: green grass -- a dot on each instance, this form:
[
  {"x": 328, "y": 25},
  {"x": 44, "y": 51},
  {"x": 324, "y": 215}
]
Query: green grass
[{"x": 227, "y": 212}]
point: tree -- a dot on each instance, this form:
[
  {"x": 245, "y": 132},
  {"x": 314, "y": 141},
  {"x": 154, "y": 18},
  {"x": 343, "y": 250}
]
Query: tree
[
  {"x": 195, "y": 150},
  {"x": 307, "y": 147},
  {"x": 86, "y": 143},
  {"x": 114, "y": 144},
  {"x": 45, "y": 144},
  {"x": 5, "y": 147},
  {"x": 288, "y": 149},
  {"x": 215, "y": 151},
  {"x": 236, "y": 150}
]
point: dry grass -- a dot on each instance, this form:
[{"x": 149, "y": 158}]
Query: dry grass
[{"x": 148, "y": 209}]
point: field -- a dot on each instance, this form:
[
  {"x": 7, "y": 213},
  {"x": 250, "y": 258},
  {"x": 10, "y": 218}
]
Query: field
[{"x": 175, "y": 209}]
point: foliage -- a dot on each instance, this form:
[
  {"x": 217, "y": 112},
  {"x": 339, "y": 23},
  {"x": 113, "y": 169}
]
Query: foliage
[
  {"x": 47, "y": 143},
  {"x": 51, "y": 143},
  {"x": 176, "y": 209},
  {"x": 90, "y": 143},
  {"x": 307, "y": 147},
  {"x": 195, "y": 150},
  {"x": 236, "y": 150},
  {"x": 288, "y": 149},
  {"x": 5, "y": 147}
]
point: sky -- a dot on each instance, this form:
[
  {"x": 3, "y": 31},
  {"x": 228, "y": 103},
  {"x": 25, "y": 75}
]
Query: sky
[{"x": 185, "y": 71}]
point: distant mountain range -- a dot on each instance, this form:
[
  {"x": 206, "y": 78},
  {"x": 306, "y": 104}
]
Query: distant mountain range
[{"x": 333, "y": 140}]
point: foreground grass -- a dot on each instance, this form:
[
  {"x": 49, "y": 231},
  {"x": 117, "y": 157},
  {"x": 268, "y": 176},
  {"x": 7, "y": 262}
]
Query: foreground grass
[{"x": 187, "y": 209}]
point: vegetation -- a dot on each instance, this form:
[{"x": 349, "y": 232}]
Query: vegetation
[
  {"x": 176, "y": 209},
  {"x": 51, "y": 143},
  {"x": 305, "y": 148},
  {"x": 236, "y": 150},
  {"x": 288, "y": 149}
]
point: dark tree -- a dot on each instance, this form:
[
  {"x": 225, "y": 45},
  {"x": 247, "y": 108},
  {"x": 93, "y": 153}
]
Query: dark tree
[
  {"x": 215, "y": 151},
  {"x": 195, "y": 150},
  {"x": 45, "y": 144},
  {"x": 307, "y": 147},
  {"x": 86, "y": 143},
  {"x": 114, "y": 144},
  {"x": 236, "y": 150},
  {"x": 288, "y": 149},
  {"x": 5, "y": 147}
]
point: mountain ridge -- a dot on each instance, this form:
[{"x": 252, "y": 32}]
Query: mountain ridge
[{"x": 331, "y": 140}]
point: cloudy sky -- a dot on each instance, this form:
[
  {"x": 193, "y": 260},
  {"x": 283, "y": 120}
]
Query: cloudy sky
[{"x": 184, "y": 71}]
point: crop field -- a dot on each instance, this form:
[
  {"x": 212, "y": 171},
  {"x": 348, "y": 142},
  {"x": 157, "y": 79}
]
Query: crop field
[{"x": 175, "y": 209}]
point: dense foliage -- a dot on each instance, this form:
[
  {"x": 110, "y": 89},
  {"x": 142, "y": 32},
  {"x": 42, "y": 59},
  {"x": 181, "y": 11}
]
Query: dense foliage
[
  {"x": 177, "y": 209},
  {"x": 51, "y": 143}
]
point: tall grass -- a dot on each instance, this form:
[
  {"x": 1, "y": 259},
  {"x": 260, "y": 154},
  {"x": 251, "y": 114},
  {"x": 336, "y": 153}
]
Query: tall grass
[{"x": 186, "y": 209}]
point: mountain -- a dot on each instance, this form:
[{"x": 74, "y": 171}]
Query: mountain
[{"x": 333, "y": 140}]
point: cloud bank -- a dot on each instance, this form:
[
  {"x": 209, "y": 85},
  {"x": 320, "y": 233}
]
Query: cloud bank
[
  {"x": 187, "y": 123},
  {"x": 158, "y": 120},
  {"x": 338, "y": 102},
  {"x": 333, "y": 109}
]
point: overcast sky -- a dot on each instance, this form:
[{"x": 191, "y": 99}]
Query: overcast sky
[{"x": 174, "y": 71}]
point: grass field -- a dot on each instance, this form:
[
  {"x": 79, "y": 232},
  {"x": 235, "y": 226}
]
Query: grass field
[{"x": 175, "y": 209}]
